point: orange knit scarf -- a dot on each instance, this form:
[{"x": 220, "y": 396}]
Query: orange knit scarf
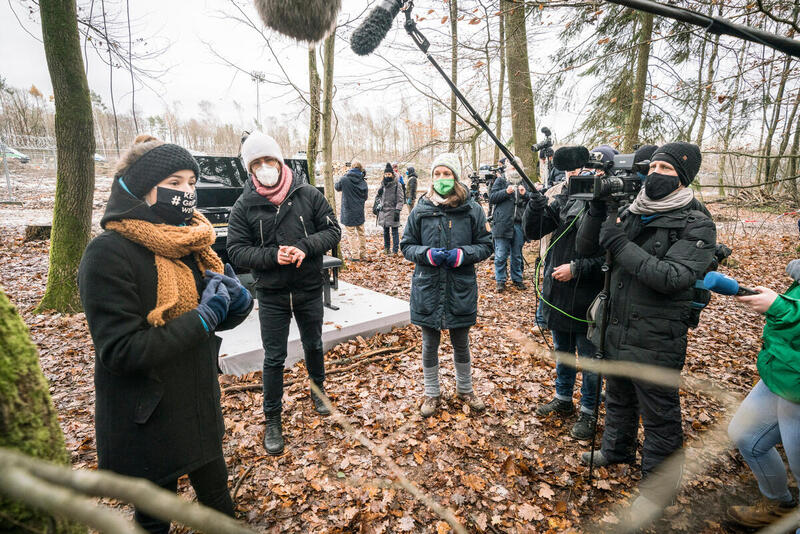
[{"x": 177, "y": 293}]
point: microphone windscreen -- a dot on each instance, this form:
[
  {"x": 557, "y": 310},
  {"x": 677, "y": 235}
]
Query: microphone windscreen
[
  {"x": 569, "y": 158},
  {"x": 719, "y": 283},
  {"x": 304, "y": 20},
  {"x": 372, "y": 31}
]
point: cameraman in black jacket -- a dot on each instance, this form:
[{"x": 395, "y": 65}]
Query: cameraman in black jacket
[
  {"x": 660, "y": 245},
  {"x": 509, "y": 197}
]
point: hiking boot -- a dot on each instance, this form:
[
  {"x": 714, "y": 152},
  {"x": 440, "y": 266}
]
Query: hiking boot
[
  {"x": 501, "y": 287},
  {"x": 583, "y": 427},
  {"x": 430, "y": 406},
  {"x": 763, "y": 513},
  {"x": 273, "y": 436},
  {"x": 386, "y": 252},
  {"x": 470, "y": 399},
  {"x": 600, "y": 459},
  {"x": 556, "y": 406},
  {"x": 520, "y": 285},
  {"x": 319, "y": 406}
]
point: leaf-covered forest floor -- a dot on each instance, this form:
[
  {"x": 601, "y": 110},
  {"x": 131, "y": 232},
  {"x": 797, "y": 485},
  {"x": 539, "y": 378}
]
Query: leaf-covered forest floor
[{"x": 506, "y": 470}]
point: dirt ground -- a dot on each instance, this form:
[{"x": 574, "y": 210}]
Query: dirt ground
[{"x": 506, "y": 470}]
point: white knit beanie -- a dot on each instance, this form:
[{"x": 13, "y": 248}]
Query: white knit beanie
[
  {"x": 260, "y": 145},
  {"x": 449, "y": 160}
]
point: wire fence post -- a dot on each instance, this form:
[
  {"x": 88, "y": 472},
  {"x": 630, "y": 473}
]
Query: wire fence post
[{"x": 4, "y": 150}]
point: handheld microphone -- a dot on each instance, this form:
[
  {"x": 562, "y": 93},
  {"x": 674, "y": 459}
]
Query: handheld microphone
[
  {"x": 725, "y": 285},
  {"x": 569, "y": 158},
  {"x": 303, "y": 20},
  {"x": 372, "y": 31}
]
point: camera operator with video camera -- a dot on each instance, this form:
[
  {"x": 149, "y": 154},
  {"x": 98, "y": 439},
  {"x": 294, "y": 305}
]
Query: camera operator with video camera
[
  {"x": 570, "y": 284},
  {"x": 509, "y": 197},
  {"x": 660, "y": 247}
]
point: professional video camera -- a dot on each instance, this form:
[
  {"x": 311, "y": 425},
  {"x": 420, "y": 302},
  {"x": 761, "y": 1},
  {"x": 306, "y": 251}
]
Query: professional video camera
[
  {"x": 476, "y": 180},
  {"x": 547, "y": 143},
  {"x": 619, "y": 181}
]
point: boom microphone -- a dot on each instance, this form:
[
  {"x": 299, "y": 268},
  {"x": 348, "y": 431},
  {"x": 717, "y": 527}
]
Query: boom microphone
[
  {"x": 725, "y": 285},
  {"x": 569, "y": 158},
  {"x": 304, "y": 20},
  {"x": 372, "y": 31}
]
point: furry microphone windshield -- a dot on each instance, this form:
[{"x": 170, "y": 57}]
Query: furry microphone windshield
[
  {"x": 304, "y": 20},
  {"x": 372, "y": 31}
]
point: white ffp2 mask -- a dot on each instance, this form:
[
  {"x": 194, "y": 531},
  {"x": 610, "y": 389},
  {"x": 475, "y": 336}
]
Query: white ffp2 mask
[{"x": 267, "y": 175}]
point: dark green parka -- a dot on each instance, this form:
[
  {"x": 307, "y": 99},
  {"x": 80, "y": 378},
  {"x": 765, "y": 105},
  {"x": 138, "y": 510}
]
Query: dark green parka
[
  {"x": 441, "y": 297},
  {"x": 652, "y": 283}
]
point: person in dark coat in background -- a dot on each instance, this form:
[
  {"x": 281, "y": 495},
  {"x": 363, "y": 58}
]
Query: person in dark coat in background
[
  {"x": 660, "y": 249},
  {"x": 393, "y": 198},
  {"x": 570, "y": 284},
  {"x": 445, "y": 236},
  {"x": 411, "y": 188},
  {"x": 353, "y": 186},
  {"x": 280, "y": 227},
  {"x": 154, "y": 294},
  {"x": 509, "y": 197}
]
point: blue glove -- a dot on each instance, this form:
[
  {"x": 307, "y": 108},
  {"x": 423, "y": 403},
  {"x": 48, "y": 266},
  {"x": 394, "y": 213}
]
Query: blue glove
[
  {"x": 436, "y": 256},
  {"x": 240, "y": 296},
  {"x": 214, "y": 302},
  {"x": 454, "y": 257}
]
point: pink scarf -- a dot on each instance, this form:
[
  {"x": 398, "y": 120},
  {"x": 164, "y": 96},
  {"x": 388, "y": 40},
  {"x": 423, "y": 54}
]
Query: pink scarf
[{"x": 277, "y": 193}]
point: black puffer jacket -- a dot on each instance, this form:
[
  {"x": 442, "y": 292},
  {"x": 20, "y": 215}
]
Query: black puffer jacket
[
  {"x": 574, "y": 296},
  {"x": 354, "y": 194},
  {"x": 508, "y": 208},
  {"x": 652, "y": 283},
  {"x": 441, "y": 297},
  {"x": 157, "y": 412},
  {"x": 257, "y": 227}
]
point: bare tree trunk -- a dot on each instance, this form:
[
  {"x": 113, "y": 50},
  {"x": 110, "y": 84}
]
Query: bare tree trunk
[
  {"x": 792, "y": 166},
  {"x": 707, "y": 94},
  {"x": 700, "y": 71},
  {"x": 451, "y": 146},
  {"x": 776, "y": 116},
  {"x": 313, "y": 122},
  {"x": 639, "y": 83},
  {"x": 72, "y": 215},
  {"x": 500, "y": 88},
  {"x": 28, "y": 420},
  {"x": 327, "y": 116},
  {"x": 520, "y": 92},
  {"x": 787, "y": 132},
  {"x": 726, "y": 138}
]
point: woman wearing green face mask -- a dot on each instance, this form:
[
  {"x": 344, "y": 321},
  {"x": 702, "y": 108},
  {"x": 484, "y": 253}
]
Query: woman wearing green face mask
[{"x": 445, "y": 236}]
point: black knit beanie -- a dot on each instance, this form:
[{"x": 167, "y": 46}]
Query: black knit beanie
[
  {"x": 154, "y": 165},
  {"x": 685, "y": 157},
  {"x": 644, "y": 153},
  {"x": 388, "y": 169}
]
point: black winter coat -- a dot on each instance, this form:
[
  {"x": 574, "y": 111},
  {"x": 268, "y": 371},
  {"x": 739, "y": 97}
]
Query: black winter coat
[
  {"x": 411, "y": 188},
  {"x": 508, "y": 208},
  {"x": 652, "y": 282},
  {"x": 444, "y": 298},
  {"x": 157, "y": 411},
  {"x": 574, "y": 296},
  {"x": 393, "y": 196},
  {"x": 354, "y": 195},
  {"x": 257, "y": 227}
]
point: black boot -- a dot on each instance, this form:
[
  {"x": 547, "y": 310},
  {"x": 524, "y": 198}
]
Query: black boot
[
  {"x": 319, "y": 406},
  {"x": 583, "y": 427},
  {"x": 273, "y": 436}
]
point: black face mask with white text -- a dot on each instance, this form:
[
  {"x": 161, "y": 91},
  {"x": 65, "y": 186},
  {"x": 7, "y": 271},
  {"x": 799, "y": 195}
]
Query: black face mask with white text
[
  {"x": 174, "y": 206},
  {"x": 658, "y": 186}
]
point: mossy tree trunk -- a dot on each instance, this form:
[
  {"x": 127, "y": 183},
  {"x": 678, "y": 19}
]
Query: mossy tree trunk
[
  {"x": 314, "y": 88},
  {"x": 327, "y": 118},
  {"x": 639, "y": 83},
  {"x": 520, "y": 91},
  {"x": 28, "y": 420},
  {"x": 72, "y": 215},
  {"x": 451, "y": 143},
  {"x": 498, "y": 131}
]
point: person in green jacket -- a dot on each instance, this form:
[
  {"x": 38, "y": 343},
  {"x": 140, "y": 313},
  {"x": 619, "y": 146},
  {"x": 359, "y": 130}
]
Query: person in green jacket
[{"x": 771, "y": 412}]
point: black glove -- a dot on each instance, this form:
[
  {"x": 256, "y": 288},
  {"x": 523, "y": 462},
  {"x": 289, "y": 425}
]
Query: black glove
[
  {"x": 597, "y": 208},
  {"x": 612, "y": 236},
  {"x": 537, "y": 202},
  {"x": 396, "y": 216},
  {"x": 214, "y": 303}
]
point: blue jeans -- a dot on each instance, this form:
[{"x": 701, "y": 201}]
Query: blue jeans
[
  {"x": 568, "y": 342},
  {"x": 503, "y": 248},
  {"x": 540, "y": 314},
  {"x": 761, "y": 422}
]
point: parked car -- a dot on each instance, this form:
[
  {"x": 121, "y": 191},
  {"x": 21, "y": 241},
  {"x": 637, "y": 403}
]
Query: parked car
[
  {"x": 14, "y": 154},
  {"x": 219, "y": 185}
]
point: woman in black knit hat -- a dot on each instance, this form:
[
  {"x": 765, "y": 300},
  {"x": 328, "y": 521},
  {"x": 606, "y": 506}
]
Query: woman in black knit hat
[
  {"x": 393, "y": 197},
  {"x": 154, "y": 295},
  {"x": 660, "y": 247}
]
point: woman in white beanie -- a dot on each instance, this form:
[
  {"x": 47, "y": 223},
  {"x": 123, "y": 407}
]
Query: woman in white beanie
[
  {"x": 279, "y": 229},
  {"x": 445, "y": 236}
]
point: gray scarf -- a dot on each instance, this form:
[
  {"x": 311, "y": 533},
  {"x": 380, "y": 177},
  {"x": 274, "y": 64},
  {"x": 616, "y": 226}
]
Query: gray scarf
[{"x": 644, "y": 205}]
